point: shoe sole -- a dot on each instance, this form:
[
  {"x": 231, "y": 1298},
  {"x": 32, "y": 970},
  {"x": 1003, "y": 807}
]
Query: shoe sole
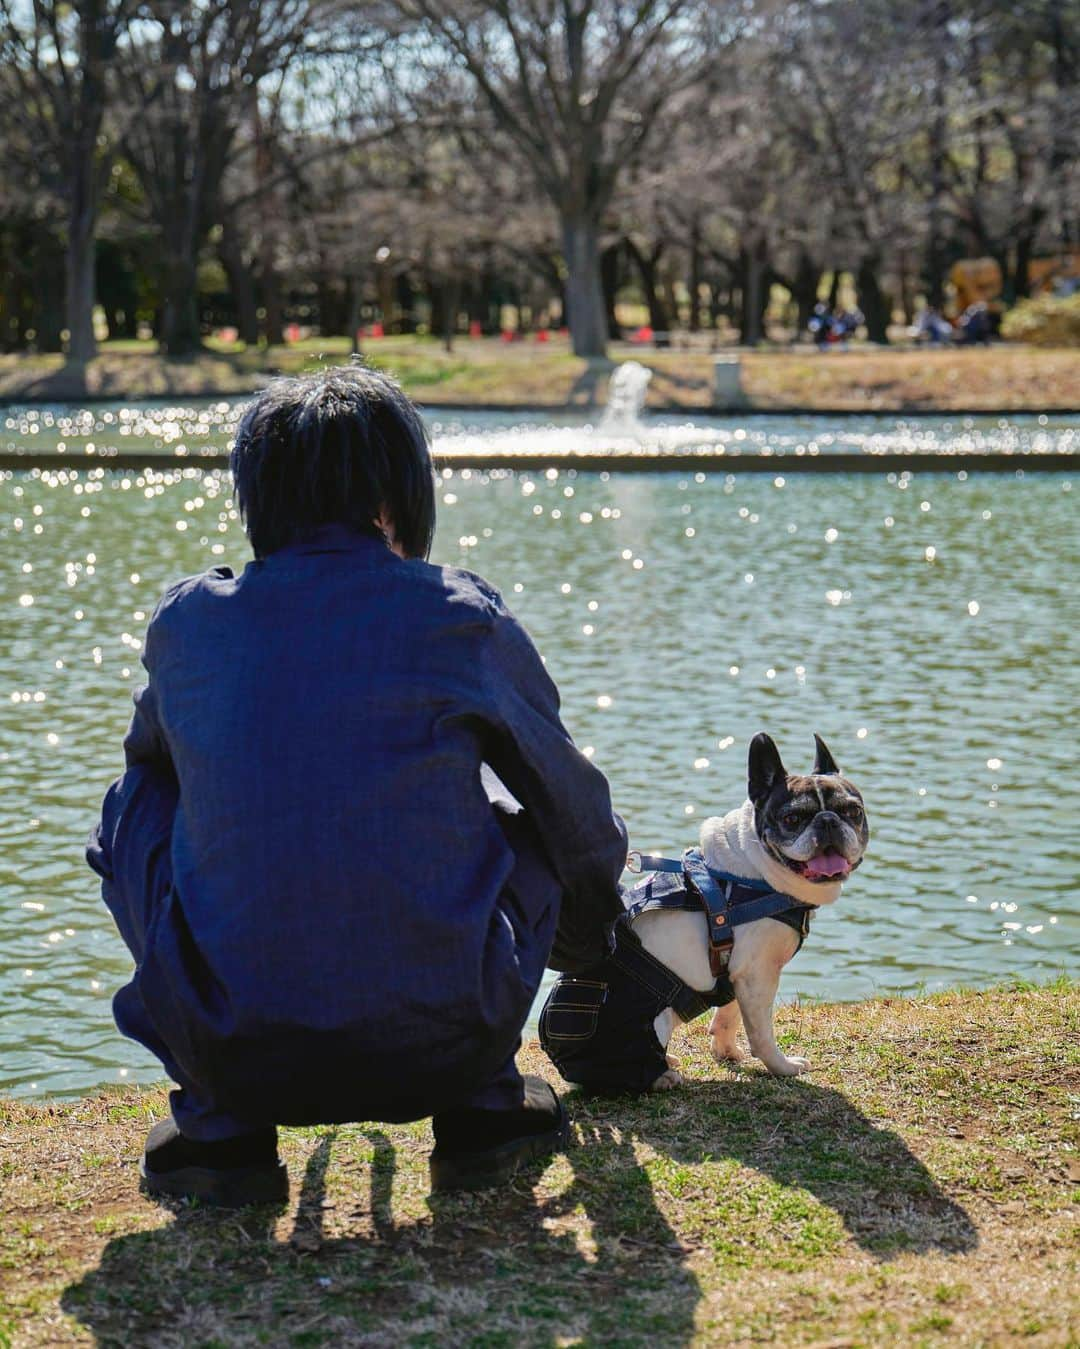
[
  {"x": 220, "y": 1189},
  {"x": 482, "y": 1170}
]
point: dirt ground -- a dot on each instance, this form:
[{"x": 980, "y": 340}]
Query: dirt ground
[
  {"x": 483, "y": 371},
  {"x": 920, "y": 1187}
]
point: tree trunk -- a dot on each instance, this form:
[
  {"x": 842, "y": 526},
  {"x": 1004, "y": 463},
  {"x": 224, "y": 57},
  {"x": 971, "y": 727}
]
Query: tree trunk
[
  {"x": 754, "y": 267},
  {"x": 241, "y": 283},
  {"x": 907, "y": 298},
  {"x": 584, "y": 292},
  {"x": 47, "y": 292},
  {"x": 648, "y": 266},
  {"x": 1026, "y": 238},
  {"x": 356, "y": 304},
  {"x": 1021, "y": 284},
  {"x": 332, "y": 302},
  {"x": 609, "y": 273},
  {"x": 180, "y": 334},
  {"x": 436, "y": 295},
  {"x": 938, "y": 27},
  {"x": 873, "y": 301},
  {"x": 79, "y": 272},
  {"x": 716, "y": 307},
  {"x": 694, "y": 280},
  {"x": 85, "y": 175},
  {"x": 273, "y": 320},
  {"x": 406, "y": 304},
  {"x": 1062, "y": 150},
  {"x": 805, "y": 291},
  {"x": 450, "y": 311}
]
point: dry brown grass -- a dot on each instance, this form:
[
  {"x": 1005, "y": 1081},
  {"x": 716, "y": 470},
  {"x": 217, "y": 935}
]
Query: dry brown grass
[
  {"x": 921, "y": 1187},
  {"x": 489, "y": 372},
  {"x": 1006, "y": 378}
]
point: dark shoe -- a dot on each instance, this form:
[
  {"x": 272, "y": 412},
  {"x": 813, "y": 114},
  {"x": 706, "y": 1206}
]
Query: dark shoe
[
  {"x": 228, "y": 1174},
  {"x": 475, "y": 1149}
]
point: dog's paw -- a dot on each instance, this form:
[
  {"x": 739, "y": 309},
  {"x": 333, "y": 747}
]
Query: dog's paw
[
  {"x": 725, "y": 1054},
  {"x": 665, "y": 1082},
  {"x": 785, "y": 1067}
]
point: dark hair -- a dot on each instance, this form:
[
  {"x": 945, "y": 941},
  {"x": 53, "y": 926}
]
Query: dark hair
[{"x": 336, "y": 447}]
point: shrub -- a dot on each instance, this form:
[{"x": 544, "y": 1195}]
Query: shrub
[{"x": 1044, "y": 322}]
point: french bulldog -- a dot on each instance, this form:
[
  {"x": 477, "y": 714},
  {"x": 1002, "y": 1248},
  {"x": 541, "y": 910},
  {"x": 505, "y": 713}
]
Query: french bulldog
[{"x": 804, "y": 836}]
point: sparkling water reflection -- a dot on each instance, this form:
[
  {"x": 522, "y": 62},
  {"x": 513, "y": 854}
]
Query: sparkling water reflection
[
  {"x": 926, "y": 625},
  {"x": 205, "y": 426}
]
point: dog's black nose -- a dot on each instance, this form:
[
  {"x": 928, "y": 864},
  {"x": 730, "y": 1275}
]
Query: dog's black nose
[{"x": 830, "y": 829}]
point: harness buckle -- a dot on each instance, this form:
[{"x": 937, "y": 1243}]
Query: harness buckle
[{"x": 633, "y": 862}]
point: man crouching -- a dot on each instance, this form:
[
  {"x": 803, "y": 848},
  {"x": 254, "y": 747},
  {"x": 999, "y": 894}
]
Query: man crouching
[{"x": 334, "y": 916}]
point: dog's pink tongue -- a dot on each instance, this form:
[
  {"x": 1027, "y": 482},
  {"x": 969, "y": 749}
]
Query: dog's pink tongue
[{"x": 828, "y": 864}]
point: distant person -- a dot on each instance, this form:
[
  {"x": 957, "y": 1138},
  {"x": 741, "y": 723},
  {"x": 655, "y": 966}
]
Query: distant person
[
  {"x": 334, "y": 916},
  {"x": 820, "y": 326},
  {"x": 847, "y": 323},
  {"x": 975, "y": 324},
  {"x": 933, "y": 327}
]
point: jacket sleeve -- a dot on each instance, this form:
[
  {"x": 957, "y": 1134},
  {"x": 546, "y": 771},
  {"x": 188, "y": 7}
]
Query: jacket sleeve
[
  {"x": 145, "y": 741},
  {"x": 565, "y": 796}
]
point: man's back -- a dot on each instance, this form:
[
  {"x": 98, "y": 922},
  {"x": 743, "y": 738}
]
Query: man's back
[{"x": 325, "y": 713}]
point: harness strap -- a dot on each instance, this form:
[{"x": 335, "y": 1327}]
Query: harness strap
[
  {"x": 717, "y": 905},
  {"x": 649, "y": 861},
  {"x": 767, "y": 906}
]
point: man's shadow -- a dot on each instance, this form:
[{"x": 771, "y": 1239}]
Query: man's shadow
[
  {"x": 574, "y": 1262},
  {"x": 472, "y": 1262}
]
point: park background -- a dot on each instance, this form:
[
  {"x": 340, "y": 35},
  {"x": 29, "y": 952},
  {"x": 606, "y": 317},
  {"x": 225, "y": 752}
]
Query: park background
[
  {"x": 591, "y": 237},
  {"x": 187, "y": 177}
]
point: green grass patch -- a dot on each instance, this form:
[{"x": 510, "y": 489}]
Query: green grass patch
[{"x": 875, "y": 1201}]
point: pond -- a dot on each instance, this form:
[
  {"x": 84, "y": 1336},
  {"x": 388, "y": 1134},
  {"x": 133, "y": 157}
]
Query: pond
[
  {"x": 206, "y": 426},
  {"x": 927, "y": 626}
]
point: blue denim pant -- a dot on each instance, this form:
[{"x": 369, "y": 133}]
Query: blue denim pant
[{"x": 130, "y": 851}]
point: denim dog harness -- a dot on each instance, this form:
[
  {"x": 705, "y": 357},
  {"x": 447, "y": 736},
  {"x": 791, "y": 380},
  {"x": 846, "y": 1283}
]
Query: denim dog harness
[{"x": 597, "y": 1026}]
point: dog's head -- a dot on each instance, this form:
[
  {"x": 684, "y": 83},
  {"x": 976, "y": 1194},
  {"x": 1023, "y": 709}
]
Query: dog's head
[{"x": 815, "y": 825}]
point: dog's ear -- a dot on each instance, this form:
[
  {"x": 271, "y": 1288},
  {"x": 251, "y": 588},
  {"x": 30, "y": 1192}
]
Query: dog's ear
[
  {"x": 764, "y": 769},
  {"x": 823, "y": 760}
]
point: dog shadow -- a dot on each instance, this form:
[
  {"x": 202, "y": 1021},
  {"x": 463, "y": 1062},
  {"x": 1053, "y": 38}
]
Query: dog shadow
[
  {"x": 802, "y": 1136},
  {"x": 501, "y": 1266}
]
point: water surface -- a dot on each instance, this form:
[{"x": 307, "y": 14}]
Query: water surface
[
  {"x": 927, "y": 626},
  {"x": 202, "y": 426}
]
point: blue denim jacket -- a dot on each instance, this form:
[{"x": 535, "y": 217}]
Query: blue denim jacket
[{"x": 337, "y": 866}]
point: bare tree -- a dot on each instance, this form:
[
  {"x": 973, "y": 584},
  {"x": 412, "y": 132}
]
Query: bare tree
[
  {"x": 57, "y": 57},
  {"x": 575, "y": 88},
  {"x": 194, "y": 77},
  {"x": 1014, "y": 180}
]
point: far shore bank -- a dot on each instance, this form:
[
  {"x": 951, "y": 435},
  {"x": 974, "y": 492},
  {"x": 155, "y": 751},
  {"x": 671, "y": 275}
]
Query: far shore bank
[
  {"x": 486, "y": 375},
  {"x": 920, "y": 1186},
  {"x": 642, "y": 461}
]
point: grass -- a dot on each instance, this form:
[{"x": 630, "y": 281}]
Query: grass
[
  {"x": 921, "y": 1187},
  {"x": 487, "y": 371}
]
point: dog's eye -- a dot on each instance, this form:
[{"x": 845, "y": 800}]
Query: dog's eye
[
  {"x": 791, "y": 819},
  {"x": 851, "y": 811}
]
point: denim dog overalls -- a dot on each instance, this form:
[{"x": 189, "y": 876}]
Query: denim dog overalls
[{"x": 597, "y": 1026}]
